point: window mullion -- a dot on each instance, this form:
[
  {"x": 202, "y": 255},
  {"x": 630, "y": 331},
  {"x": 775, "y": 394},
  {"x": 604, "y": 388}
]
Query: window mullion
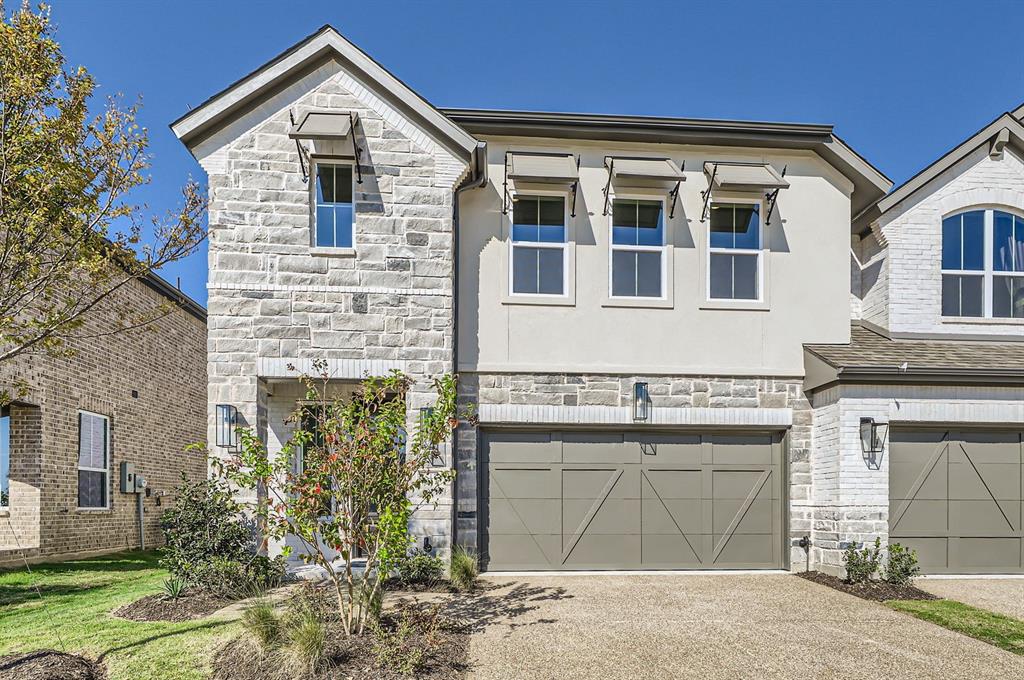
[{"x": 988, "y": 240}]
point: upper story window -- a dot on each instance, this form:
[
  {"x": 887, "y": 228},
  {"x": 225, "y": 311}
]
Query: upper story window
[
  {"x": 93, "y": 460},
  {"x": 539, "y": 246},
  {"x": 983, "y": 265},
  {"x": 5, "y": 458},
  {"x": 638, "y": 248},
  {"x": 734, "y": 252},
  {"x": 333, "y": 217}
]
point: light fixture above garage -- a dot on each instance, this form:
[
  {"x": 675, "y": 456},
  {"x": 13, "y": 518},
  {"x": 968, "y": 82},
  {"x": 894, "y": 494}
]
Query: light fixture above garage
[
  {"x": 872, "y": 441},
  {"x": 641, "y": 402}
]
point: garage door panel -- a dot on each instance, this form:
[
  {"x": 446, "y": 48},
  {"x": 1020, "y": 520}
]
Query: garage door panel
[
  {"x": 531, "y": 482},
  {"x": 904, "y": 477},
  {"x": 672, "y": 515},
  {"x": 739, "y": 484},
  {"x": 983, "y": 517},
  {"x": 672, "y": 551},
  {"x": 742, "y": 449},
  {"x": 668, "y": 484},
  {"x": 920, "y": 516},
  {"x": 523, "y": 447},
  {"x": 600, "y": 482},
  {"x": 599, "y": 447},
  {"x": 604, "y": 551},
  {"x": 757, "y": 518},
  {"x": 931, "y": 551},
  {"x": 612, "y": 516},
  {"x": 746, "y": 551},
  {"x": 520, "y": 551},
  {"x": 670, "y": 449},
  {"x": 984, "y": 481},
  {"x": 524, "y": 516},
  {"x": 991, "y": 555}
]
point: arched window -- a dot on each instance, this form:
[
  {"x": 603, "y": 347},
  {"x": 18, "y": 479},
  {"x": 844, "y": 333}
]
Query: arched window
[{"x": 983, "y": 264}]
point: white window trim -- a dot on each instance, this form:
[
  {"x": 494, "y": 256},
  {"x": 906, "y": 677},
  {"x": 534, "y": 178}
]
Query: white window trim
[
  {"x": 759, "y": 252},
  {"x": 105, "y": 471},
  {"x": 988, "y": 274},
  {"x": 315, "y": 161},
  {"x": 568, "y": 296},
  {"x": 663, "y": 300}
]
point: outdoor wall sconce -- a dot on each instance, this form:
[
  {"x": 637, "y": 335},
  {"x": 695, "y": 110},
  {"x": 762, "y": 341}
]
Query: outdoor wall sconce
[
  {"x": 227, "y": 422},
  {"x": 872, "y": 441},
  {"x": 641, "y": 402}
]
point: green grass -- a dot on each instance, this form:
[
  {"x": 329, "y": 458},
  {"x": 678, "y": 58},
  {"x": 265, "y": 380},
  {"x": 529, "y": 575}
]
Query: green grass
[
  {"x": 74, "y": 616},
  {"x": 1002, "y": 631}
]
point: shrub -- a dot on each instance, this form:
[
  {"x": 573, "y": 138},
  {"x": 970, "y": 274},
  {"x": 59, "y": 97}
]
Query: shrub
[
  {"x": 902, "y": 566},
  {"x": 464, "y": 569},
  {"x": 235, "y": 579},
  {"x": 173, "y": 588},
  {"x": 304, "y": 639},
  {"x": 263, "y": 624},
  {"x": 420, "y": 568},
  {"x": 403, "y": 648},
  {"x": 862, "y": 565}
]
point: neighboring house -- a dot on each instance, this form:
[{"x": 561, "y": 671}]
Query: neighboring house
[
  {"x": 132, "y": 397},
  {"x": 626, "y": 299}
]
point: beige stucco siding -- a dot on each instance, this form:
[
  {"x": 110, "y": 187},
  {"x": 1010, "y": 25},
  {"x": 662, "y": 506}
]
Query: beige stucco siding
[{"x": 806, "y": 275}]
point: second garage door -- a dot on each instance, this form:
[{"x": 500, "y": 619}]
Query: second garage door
[
  {"x": 955, "y": 497},
  {"x": 629, "y": 500}
]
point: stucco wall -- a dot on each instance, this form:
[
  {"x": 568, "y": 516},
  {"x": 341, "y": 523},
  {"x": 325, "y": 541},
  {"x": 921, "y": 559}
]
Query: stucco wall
[
  {"x": 806, "y": 268},
  {"x": 913, "y": 232}
]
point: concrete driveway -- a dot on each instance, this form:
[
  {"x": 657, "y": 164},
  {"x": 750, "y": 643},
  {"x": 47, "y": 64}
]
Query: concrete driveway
[
  {"x": 708, "y": 626},
  {"x": 1001, "y": 595}
]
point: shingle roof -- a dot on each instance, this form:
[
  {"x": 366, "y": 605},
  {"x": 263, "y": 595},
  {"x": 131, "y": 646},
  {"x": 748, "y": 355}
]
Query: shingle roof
[{"x": 871, "y": 350}]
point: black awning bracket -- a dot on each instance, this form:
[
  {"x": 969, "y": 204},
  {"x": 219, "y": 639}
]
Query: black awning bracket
[
  {"x": 303, "y": 155},
  {"x": 706, "y": 194},
  {"x": 771, "y": 197},
  {"x": 505, "y": 198},
  {"x": 674, "y": 193},
  {"x": 355, "y": 148},
  {"x": 608, "y": 186},
  {"x": 575, "y": 187}
]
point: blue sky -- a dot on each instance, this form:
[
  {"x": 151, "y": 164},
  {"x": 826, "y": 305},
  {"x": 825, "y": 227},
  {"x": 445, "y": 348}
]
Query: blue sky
[{"x": 902, "y": 81}]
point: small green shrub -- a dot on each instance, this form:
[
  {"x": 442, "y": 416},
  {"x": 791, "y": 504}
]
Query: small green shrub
[
  {"x": 236, "y": 579},
  {"x": 902, "y": 566},
  {"x": 173, "y": 588},
  {"x": 305, "y": 640},
  {"x": 420, "y": 568},
  {"x": 464, "y": 569},
  {"x": 262, "y": 622},
  {"x": 862, "y": 565}
]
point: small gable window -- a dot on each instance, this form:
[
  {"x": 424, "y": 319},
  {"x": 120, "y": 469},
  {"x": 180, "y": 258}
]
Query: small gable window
[
  {"x": 983, "y": 264},
  {"x": 333, "y": 218}
]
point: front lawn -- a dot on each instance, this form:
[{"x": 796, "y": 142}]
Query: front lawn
[
  {"x": 73, "y": 615},
  {"x": 1002, "y": 631}
]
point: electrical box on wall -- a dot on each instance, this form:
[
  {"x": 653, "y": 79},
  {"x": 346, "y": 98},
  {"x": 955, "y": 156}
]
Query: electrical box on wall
[{"x": 131, "y": 481}]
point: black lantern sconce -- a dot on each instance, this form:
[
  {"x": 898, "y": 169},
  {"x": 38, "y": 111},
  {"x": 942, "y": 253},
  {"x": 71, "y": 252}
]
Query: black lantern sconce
[
  {"x": 872, "y": 441},
  {"x": 641, "y": 402},
  {"x": 227, "y": 422}
]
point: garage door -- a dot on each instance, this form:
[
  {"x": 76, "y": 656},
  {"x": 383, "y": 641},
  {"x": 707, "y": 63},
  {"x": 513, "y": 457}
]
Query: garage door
[
  {"x": 626, "y": 500},
  {"x": 955, "y": 497}
]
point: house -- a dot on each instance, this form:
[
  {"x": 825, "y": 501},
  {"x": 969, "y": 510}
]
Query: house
[
  {"x": 129, "y": 398},
  {"x": 651, "y": 314}
]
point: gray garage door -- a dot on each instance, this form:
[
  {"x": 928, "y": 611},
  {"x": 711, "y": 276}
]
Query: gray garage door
[
  {"x": 627, "y": 500},
  {"x": 955, "y": 496}
]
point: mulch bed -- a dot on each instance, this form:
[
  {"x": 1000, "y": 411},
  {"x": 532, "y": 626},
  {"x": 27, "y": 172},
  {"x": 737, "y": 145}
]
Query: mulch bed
[
  {"x": 349, "y": 658},
  {"x": 47, "y": 664},
  {"x": 878, "y": 591},
  {"x": 393, "y": 585},
  {"x": 189, "y": 606}
]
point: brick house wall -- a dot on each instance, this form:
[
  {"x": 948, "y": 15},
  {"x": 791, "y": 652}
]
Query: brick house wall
[{"x": 163, "y": 364}]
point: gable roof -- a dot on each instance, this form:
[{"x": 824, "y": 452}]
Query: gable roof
[
  {"x": 1008, "y": 121},
  {"x": 326, "y": 43}
]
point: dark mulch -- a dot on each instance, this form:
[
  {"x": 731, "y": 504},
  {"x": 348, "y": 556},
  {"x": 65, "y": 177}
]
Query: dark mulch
[
  {"x": 192, "y": 605},
  {"x": 878, "y": 591},
  {"x": 393, "y": 585},
  {"x": 47, "y": 664},
  {"x": 446, "y": 655}
]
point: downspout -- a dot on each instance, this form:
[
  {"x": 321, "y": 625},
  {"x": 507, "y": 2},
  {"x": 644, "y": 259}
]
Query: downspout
[{"x": 476, "y": 179}]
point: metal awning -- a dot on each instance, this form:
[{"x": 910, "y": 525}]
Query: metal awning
[
  {"x": 531, "y": 167},
  {"x": 743, "y": 178},
  {"x": 629, "y": 170},
  {"x": 543, "y": 168},
  {"x": 323, "y": 125}
]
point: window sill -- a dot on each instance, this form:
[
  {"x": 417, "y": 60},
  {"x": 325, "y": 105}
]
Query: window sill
[
  {"x": 542, "y": 300},
  {"x": 737, "y": 305},
  {"x": 93, "y": 511},
  {"x": 981, "y": 321},
  {"x": 332, "y": 252},
  {"x": 639, "y": 302}
]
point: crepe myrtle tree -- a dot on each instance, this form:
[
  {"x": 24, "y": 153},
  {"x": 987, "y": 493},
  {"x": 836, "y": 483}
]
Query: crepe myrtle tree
[
  {"x": 347, "y": 481},
  {"x": 71, "y": 237}
]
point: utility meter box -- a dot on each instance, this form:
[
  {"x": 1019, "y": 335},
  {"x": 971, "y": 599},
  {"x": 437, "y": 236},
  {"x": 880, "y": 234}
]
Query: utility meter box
[{"x": 131, "y": 481}]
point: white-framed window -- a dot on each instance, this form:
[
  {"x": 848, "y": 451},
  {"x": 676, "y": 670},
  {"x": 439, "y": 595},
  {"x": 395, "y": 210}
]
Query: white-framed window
[
  {"x": 734, "y": 268},
  {"x": 539, "y": 246},
  {"x": 334, "y": 207},
  {"x": 5, "y": 457},
  {"x": 638, "y": 248},
  {"x": 983, "y": 264},
  {"x": 93, "y": 460}
]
